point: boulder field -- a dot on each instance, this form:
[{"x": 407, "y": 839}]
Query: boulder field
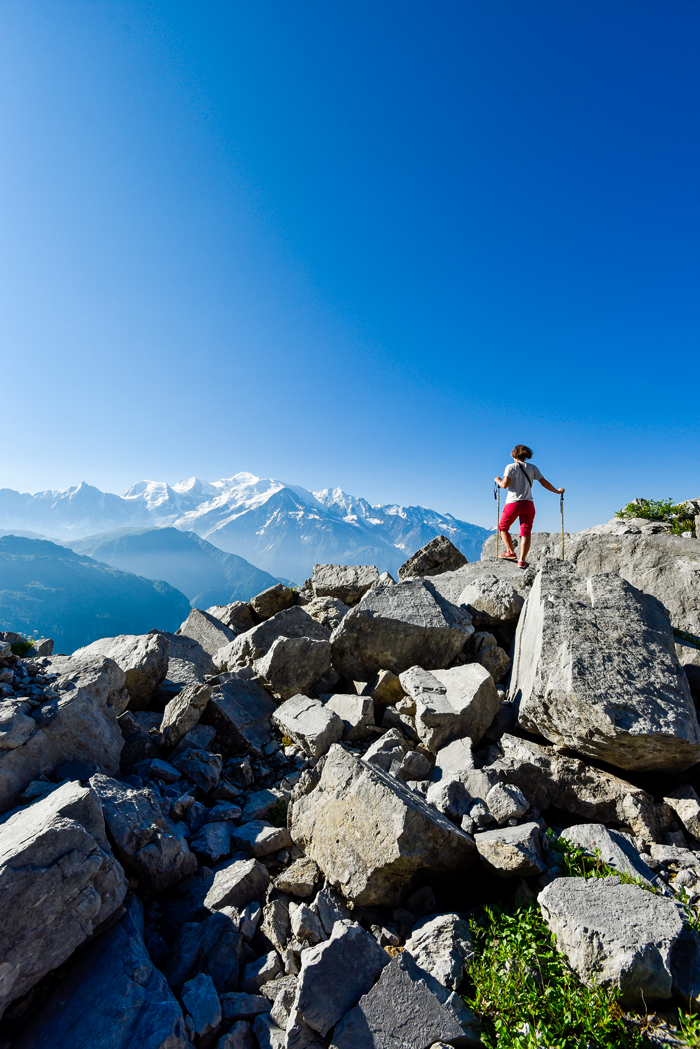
[{"x": 269, "y": 829}]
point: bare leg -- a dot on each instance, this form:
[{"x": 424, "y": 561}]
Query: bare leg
[
  {"x": 524, "y": 547},
  {"x": 505, "y": 536}
]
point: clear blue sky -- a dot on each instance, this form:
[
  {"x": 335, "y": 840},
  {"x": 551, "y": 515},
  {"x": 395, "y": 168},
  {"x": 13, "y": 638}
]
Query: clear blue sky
[{"x": 370, "y": 245}]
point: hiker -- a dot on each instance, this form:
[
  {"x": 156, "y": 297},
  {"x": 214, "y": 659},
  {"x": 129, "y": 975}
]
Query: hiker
[{"x": 518, "y": 479}]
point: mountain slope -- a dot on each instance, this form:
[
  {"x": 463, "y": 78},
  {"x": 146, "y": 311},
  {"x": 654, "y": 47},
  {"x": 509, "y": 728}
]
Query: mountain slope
[
  {"x": 75, "y": 600},
  {"x": 205, "y": 574}
]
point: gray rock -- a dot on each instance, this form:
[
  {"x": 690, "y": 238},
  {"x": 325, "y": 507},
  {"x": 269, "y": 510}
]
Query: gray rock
[
  {"x": 406, "y": 1009},
  {"x": 213, "y": 946},
  {"x": 213, "y": 842},
  {"x": 276, "y": 926},
  {"x": 186, "y": 651},
  {"x": 311, "y": 725},
  {"x": 335, "y": 974},
  {"x": 255, "y": 643},
  {"x": 689, "y": 659},
  {"x": 236, "y": 1005},
  {"x": 260, "y": 838},
  {"x": 328, "y": 611},
  {"x": 371, "y": 835},
  {"x": 384, "y": 688},
  {"x": 274, "y": 599},
  {"x": 201, "y": 1002},
  {"x": 299, "y": 879},
  {"x": 347, "y": 583},
  {"x": 260, "y": 972},
  {"x": 686, "y": 804},
  {"x": 236, "y": 616},
  {"x": 484, "y": 648},
  {"x": 451, "y": 704},
  {"x": 511, "y": 852},
  {"x": 267, "y": 1033},
  {"x": 441, "y": 944},
  {"x": 414, "y": 766},
  {"x": 200, "y": 766},
  {"x": 451, "y": 797},
  {"x": 183, "y": 712},
  {"x": 619, "y": 936},
  {"x": 261, "y": 804},
  {"x": 492, "y": 600},
  {"x": 614, "y": 848},
  {"x": 82, "y": 727},
  {"x": 111, "y": 997},
  {"x": 239, "y": 1037},
  {"x": 240, "y": 712},
  {"x": 207, "y": 630},
  {"x": 142, "y": 657},
  {"x": 237, "y": 884},
  {"x": 397, "y": 627},
  {"x": 201, "y": 737},
  {"x": 305, "y": 923},
  {"x": 330, "y": 908},
  {"x": 436, "y": 557},
  {"x": 294, "y": 665},
  {"x": 388, "y": 749},
  {"x": 595, "y": 670},
  {"x": 145, "y": 841},
  {"x": 356, "y": 713},
  {"x": 453, "y": 760},
  {"x": 505, "y": 802},
  {"x": 59, "y": 883}
]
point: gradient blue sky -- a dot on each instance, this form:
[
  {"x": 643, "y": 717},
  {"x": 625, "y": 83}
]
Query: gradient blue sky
[{"x": 366, "y": 245}]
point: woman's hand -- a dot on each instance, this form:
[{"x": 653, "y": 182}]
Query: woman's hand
[{"x": 561, "y": 490}]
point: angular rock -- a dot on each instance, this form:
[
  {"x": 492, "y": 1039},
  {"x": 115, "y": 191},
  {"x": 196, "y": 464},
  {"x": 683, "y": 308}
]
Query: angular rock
[
  {"x": 241, "y": 1006},
  {"x": 328, "y": 611},
  {"x": 202, "y": 767},
  {"x": 294, "y": 665},
  {"x": 689, "y": 659},
  {"x": 273, "y": 600},
  {"x": 59, "y": 883},
  {"x": 491, "y": 600},
  {"x": 441, "y": 944},
  {"x": 145, "y": 841},
  {"x": 183, "y": 712},
  {"x": 276, "y": 927},
  {"x": 620, "y": 936},
  {"x": 397, "y": 627},
  {"x": 111, "y": 997},
  {"x": 330, "y": 908},
  {"x": 451, "y": 704},
  {"x": 260, "y": 838},
  {"x": 202, "y": 1003},
  {"x": 406, "y": 1009},
  {"x": 356, "y": 713},
  {"x": 236, "y": 616},
  {"x": 201, "y": 737},
  {"x": 686, "y": 804},
  {"x": 385, "y": 689},
  {"x": 142, "y": 657},
  {"x": 213, "y": 842},
  {"x": 614, "y": 848},
  {"x": 414, "y": 766},
  {"x": 437, "y": 556},
  {"x": 309, "y": 723},
  {"x": 260, "y": 972},
  {"x": 453, "y": 760},
  {"x": 239, "y": 1037},
  {"x": 189, "y": 653},
  {"x": 213, "y": 947},
  {"x": 261, "y": 804},
  {"x": 306, "y": 923},
  {"x": 206, "y": 630},
  {"x": 299, "y": 879},
  {"x": 505, "y": 802},
  {"x": 237, "y": 884},
  {"x": 595, "y": 670},
  {"x": 389, "y": 750},
  {"x": 511, "y": 852},
  {"x": 484, "y": 649},
  {"x": 347, "y": 583},
  {"x": 267, "y": 1033},
  {"x": 371, "y": 835},
  {"x": 335, "y": 974},
  {"x": 240, "y": 712},
  {"x": 451, "y": 797},
  {"x": 255, "y": 643}
]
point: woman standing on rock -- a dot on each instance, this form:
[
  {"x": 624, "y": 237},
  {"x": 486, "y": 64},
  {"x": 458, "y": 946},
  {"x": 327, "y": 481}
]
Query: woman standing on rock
[{"x": 518, "y": 479}]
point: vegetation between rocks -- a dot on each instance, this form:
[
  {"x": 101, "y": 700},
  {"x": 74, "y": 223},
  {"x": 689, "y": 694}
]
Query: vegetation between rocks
[{"x": 675, "y": 514}]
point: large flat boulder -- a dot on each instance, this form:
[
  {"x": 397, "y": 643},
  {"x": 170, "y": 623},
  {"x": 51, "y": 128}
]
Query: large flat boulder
[
  {"x": 142, "y": 657},
  {"x": 294, "y": 664},
  {"x": 240, "y": 711},
  {"x": 207, "y": 630},
  {"x": 59, "y": 883},
  {"x": 371, "y": 835},
  {"x": 273, "y": 600},
  {"x": 257, "y": 642},
  {"x": 347, "y": 583},
  {"x": 111, "y": 997},
  {"x": 395, "y": 627},
  {"x": 451, "y": 704},
  {"x": 437, "y": 556},
  {"x": 81, "y": 725},
  {"x": 595, "y": 670},
  {"x": 183, "y": 712}
]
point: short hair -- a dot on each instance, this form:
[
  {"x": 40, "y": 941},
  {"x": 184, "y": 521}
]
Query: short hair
[{"x": 521, "y": 451}]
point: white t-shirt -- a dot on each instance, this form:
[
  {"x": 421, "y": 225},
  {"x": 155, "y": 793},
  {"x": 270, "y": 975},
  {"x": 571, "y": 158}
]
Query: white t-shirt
[{"x": 520, "y": 488}]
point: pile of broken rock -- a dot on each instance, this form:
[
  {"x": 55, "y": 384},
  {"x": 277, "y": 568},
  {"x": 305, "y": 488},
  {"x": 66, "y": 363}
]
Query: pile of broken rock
[{"x": 269, "y": 828}]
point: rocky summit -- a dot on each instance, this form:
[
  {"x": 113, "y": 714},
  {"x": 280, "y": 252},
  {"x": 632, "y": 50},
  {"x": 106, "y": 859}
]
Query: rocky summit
[{"x": 275, "y": 827}]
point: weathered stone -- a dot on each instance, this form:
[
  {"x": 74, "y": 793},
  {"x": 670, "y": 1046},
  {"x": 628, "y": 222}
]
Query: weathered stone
[
  {"x": 214, "y": 947},
  {"x": 414, "y": 766},
  {"x": 59, "y": 882},
  {"x": 595, "y": 670},
  {"x": 306, "y": 923},
  {"x": 299, "y": 879},
  {"x": 397, "y": 627},
  {"x": 260, "y": 838},
  {"x": 451, "y": 797},
  {"x": 261, "y": 804},
  {"x": 201, "y": 737},
  {"x": 260, "y": 971},
  {"x": 328, "y": 611},
  {"x": 371, "y": 835},
  {"x": 437, "y": 556},
  {"x": 330, "y": 908},
  {"x": 207, "y": 630},
  {"x": 309, "y": 723},
  {"x": 484, "y": 648},
  {"x": 236, "y": 616},
  {"x": 385, "y": 689},
  {"x": 441, "y": 944},
  {"x": 111, "y": 997},
  {"x": 686, "y": 804},
  {"x": 240, "y": 712},
  {"x": 294, "y": 665},
  {"x": 145, "y": 841},
  {"x": 511, "y": 852},
  {"x": 389, "y": 749},
  {"x": 348, "y": 583},
  {"x": 80, "y": 726},
  {"x": 142, "y": 657},
  {"x": 689, "y": 659},
  {"x": 255, "y": 643},
  {"x": 451, "y": 704},
  {"x": 406, "y": 1009},
  {"x": 356, "y": 713},
  {"x": 505, "y": 802},
  {"x": 188, "y": 662},
  {"x": 453, "y": 760},
  {"x": 212, "y": 842},
  {"x": 275, "y": 926},
  {"x": 267, "y": 1033},
  {"x": 614, "y": 935},
  {"x": 201, "y": 1001},
  {"x": 614, "y": 848},
  {"x": 236, "y": 1005},
  {"x": 183, "y": 712},
  {"x": 237, "y": 884},
  {"x": 273, "y": 600},
  {"x": 239, "y": 1037},
  {"x": 491, "y": 600}
]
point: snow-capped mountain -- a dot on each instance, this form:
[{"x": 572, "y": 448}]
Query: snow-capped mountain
[{"x": 279, "y": 527}]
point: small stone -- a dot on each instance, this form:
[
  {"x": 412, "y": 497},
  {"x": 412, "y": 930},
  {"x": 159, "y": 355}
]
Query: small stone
[
  {"x": 260, "y": 971},
  {"x": 201, "y": 1001},
  {"x": 511, "y": 852},
  {"x": 300, "y": 878}
]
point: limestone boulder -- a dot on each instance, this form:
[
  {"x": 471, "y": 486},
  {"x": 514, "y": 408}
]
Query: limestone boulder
[
  {"x": 207, "y": 630},
  {"x": 451, "y": 704},
  {"x": 371, "y": 835},
  {"x": 686, "y": 804},
  {"x": 397, "y": 627},
  {"x": 613, "y": 847},
  {"x": 313, "y": 726},
  {"x": 294, "y": 665},
  {"x": 689, "y": 659},
  {"x": 257, "y": 642},
  {"x": 511, "y": 852},
  {"x": 483, "y": 648},
  {"x": 59, "y": 883},
  {"x": 438, "y": 556},
  {"x": 236, "y": 884},
  {"x": 441, "y": 944},
  {"x": 595, "y": 670},
  {"x": 183, "y": 712},
  {"x": 142, "y": 657},
  {"x": 237, "y": 616},
  {"x": 356, "y": 713},
  {"x": 213, "y": 947},
  {"x": 346, "y": 583},
  {"x": 273, "y": 600},
  {"x": 240, "y": 711},
  {"x": 492, "y": 600},
  {"x": 188, "y": 662},
  {"x": 328, "y": 611}
]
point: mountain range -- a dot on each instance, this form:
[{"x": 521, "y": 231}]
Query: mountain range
[{"x": 282, "y": 528}]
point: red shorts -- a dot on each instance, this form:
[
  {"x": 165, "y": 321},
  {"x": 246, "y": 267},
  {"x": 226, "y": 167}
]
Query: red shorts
[{"x": 524, "y": 509}]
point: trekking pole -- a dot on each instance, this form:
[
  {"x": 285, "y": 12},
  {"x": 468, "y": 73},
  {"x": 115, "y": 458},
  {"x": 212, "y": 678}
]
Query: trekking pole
[
  {"x": 561, "y": 504},
  {"x": 497, "y": 495}
]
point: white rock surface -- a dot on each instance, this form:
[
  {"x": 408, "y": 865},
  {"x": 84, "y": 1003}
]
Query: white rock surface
[
  {"x": 309, "y": 723},
  {"x": 441, "y": 944},
  {"x": 451, "y": 704}
]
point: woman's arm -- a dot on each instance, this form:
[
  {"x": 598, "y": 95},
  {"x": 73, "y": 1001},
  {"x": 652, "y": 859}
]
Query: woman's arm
[
  {"x": 551, "y": 488},
  {"x": 502, "y": 483}
]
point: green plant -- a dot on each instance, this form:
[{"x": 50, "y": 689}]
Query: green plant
[
  {"x": 689, "y": 1027},
  {"x": 690, "y": 639},
  {"x": 21, "y": 648},
  {"x": 675, "y": 514},
  {"x": 277, "y": 815}
]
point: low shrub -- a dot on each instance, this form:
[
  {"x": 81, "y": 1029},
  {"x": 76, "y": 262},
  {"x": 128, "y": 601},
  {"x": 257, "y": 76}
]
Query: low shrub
[{"x": 675, "y": 514}]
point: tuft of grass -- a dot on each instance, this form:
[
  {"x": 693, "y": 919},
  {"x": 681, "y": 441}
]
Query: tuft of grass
[{"x": 21, "y": 648}]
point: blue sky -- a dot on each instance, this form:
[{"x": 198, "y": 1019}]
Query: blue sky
[{"x": 362, "y": 245}]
